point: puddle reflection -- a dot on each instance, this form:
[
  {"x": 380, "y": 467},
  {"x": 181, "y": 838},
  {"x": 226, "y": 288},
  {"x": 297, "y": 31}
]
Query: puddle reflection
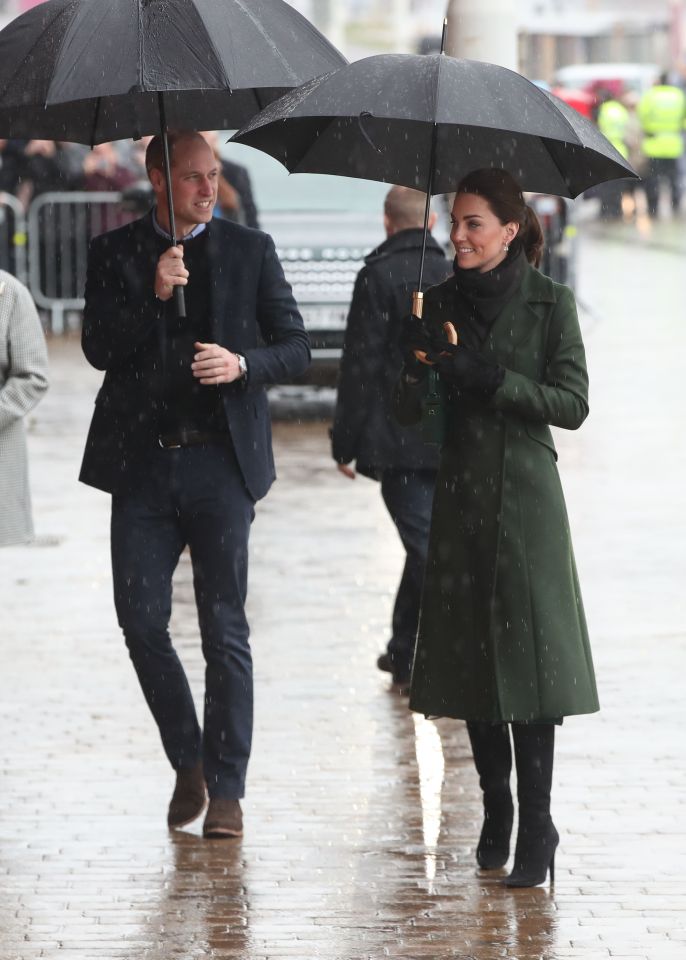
[
  {"x": 205, "y": 904},
  {"x": 431, "y": 770}
]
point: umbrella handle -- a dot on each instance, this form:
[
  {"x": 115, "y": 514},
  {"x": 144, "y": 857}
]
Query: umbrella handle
[
  {"x": 180, "y": 303},
  {"x": 448, "y": 328}
]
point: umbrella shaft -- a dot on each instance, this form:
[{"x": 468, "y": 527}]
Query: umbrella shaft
[
  {"x": 167, "y": 166},
  {"x": 179, "y": 297},
  {"x": 429, "y": 186}
]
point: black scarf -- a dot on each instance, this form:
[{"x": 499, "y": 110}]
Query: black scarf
[{"x": 485, "y": 294}]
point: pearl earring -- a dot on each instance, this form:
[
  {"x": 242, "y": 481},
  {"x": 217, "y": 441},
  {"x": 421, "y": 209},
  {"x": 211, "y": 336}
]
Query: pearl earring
[{"x": 506, "y": 247}]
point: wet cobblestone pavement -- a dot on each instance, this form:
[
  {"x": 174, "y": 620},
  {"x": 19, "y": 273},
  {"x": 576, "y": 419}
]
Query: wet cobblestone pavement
[{"x": 361, "y": 819}]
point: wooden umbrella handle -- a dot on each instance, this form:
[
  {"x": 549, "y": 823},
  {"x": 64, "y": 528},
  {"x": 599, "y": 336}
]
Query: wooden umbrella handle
[
  {"x": 451, "y": 336},
  {"x": 451, "y": 333}
]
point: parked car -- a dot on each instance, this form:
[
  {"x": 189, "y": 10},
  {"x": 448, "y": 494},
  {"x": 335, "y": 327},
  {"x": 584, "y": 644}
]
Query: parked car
[
  {"x": 322, "y": 227},
  {"x": 582, "y": 101}
]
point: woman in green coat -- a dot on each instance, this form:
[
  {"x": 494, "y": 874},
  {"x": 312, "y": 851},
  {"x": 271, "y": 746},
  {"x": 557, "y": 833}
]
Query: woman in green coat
[{"x": 502, "y": 638}]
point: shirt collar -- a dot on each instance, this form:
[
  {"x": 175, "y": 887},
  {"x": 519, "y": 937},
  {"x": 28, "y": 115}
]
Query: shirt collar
[{"x": 197, "y": 229}]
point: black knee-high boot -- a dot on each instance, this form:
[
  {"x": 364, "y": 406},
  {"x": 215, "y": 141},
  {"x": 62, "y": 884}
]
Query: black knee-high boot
[
  {"x": 537, "y": 838},
  {"x": 493, "y": 761}
]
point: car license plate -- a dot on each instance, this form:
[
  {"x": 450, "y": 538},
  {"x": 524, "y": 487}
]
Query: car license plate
[{"x": 324, "y": 316}]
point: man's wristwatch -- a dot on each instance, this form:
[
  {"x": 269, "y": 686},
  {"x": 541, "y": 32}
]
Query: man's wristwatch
[{"x": 242, "y": 366}]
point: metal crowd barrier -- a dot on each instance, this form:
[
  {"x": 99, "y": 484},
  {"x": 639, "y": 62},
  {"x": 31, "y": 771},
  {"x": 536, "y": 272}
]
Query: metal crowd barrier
[
  {"x": 13, "y": 235},
  {"x": 557, "y": 221},
  {"x": 60, "y": 227}
]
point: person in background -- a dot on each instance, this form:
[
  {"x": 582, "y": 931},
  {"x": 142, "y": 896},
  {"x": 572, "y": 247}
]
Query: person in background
[
  {"x": 23, "y": 381},
  {"x": 613, "y": 121},
  {"x": 502, "y": 640},
  {"x": 662, "y": 113},
  {"x": 365, "y": 432},
  {"x": 103, "y": 169},
  {"x": 132, "y": 156},
  {"x": 45, "y": 166},
  {"x": 10, "y": 157},
  {"x": 235, "y": 197}
]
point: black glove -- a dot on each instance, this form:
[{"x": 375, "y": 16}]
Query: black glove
[
  {"x": 415, "y": 334},
  {"x": 467, "y": 369}
]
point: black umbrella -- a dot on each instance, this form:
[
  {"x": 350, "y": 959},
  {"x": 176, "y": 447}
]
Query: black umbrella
[
  {"x": 374, "y": 119},
  {"x": 90, "y": 70},
  {"x": 425, "y": 122},
  {"x": 97, "y": 70}
]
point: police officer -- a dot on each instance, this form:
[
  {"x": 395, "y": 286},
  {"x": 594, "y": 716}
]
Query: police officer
[
  {"x": 662, "y": 113},
  {"x": 613, "y": 122}
]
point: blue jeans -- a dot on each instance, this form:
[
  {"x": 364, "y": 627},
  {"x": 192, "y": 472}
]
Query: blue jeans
[
  {"x": 408, "y": 495},
  {"x": 195, "y": 497}
]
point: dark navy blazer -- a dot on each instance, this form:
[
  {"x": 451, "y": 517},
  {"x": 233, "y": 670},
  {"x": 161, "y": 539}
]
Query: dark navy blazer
[{"x": 253, "y": 312}]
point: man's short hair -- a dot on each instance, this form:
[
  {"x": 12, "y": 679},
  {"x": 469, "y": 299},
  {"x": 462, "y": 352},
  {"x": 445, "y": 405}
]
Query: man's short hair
[
  {"x": 405, "y": 207},
  {"x": 154, "y": 155}
]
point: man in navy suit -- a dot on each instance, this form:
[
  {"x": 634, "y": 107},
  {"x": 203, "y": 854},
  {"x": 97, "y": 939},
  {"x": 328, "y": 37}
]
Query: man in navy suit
[{"x": 181, "y": 438}]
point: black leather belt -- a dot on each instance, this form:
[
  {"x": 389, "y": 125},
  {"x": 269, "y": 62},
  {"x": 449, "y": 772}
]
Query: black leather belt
[{"x": 190, "y": 438}]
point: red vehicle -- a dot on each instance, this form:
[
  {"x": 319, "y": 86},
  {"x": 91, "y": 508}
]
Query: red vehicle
[{"x": 582, "y": 100}]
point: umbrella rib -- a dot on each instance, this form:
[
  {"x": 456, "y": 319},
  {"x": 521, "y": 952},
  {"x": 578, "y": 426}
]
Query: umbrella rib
[
  {"x": 96, "y": 118},
  {"x": 550, "y": 105},
  {"x": 141, "y": 47},
  {"x": 218, "y": 58},
  {"x": 259, "y": 26},
  {"x": 564, "y": 179}
]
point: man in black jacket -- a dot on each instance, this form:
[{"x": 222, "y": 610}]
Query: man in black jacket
[
  {"x": 181, "y": 438},
  {"x": 364, "y": 428}
]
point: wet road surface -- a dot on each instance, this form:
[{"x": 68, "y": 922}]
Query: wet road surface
[{"x": 361, "y": 819}]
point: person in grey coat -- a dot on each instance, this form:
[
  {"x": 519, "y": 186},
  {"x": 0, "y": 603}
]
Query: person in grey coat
[
  {"x": 365, "y": 429},
  {"x": 23, "y": 381}
]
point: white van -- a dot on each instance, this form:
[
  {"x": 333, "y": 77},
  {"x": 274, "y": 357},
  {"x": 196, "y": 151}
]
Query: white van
[{"x": 636, "y": 77}]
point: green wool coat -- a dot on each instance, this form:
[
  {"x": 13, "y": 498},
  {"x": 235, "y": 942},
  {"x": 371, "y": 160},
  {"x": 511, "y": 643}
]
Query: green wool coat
[{"x": 502, "y": 633}]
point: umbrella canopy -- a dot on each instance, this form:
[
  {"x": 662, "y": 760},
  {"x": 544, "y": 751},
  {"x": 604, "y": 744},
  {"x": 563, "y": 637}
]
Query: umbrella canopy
[
  {"x": 380, "y": 118},
  {"x": 90, "y": 70},
  {"x": 98, "y": 70}
]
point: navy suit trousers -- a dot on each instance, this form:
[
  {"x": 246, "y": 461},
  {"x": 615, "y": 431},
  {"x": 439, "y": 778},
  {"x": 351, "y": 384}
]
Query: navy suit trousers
[
  {"x": 193, "y": 496},
  {"x": 408, "y": 495}
]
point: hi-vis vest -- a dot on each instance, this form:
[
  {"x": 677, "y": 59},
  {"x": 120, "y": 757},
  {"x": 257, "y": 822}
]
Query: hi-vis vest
[
  {"x": 613, "y": 122},
  {"x": 662, "y": 112}
]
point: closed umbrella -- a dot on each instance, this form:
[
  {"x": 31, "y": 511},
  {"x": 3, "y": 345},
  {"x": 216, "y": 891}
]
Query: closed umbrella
[{"x": 96, "y": 70}]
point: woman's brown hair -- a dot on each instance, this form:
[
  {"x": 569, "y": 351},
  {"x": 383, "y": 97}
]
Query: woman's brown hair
[{"x": 504, "y": 196}]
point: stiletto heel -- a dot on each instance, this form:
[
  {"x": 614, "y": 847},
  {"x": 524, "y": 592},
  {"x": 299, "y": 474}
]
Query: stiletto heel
[{"x": 534, "y": 857}]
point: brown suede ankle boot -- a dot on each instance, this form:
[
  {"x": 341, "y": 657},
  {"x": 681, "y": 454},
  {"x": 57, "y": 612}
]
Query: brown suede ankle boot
[
  {"x": 224, "y": 819},
  {"x": 189, "y": 797}
]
